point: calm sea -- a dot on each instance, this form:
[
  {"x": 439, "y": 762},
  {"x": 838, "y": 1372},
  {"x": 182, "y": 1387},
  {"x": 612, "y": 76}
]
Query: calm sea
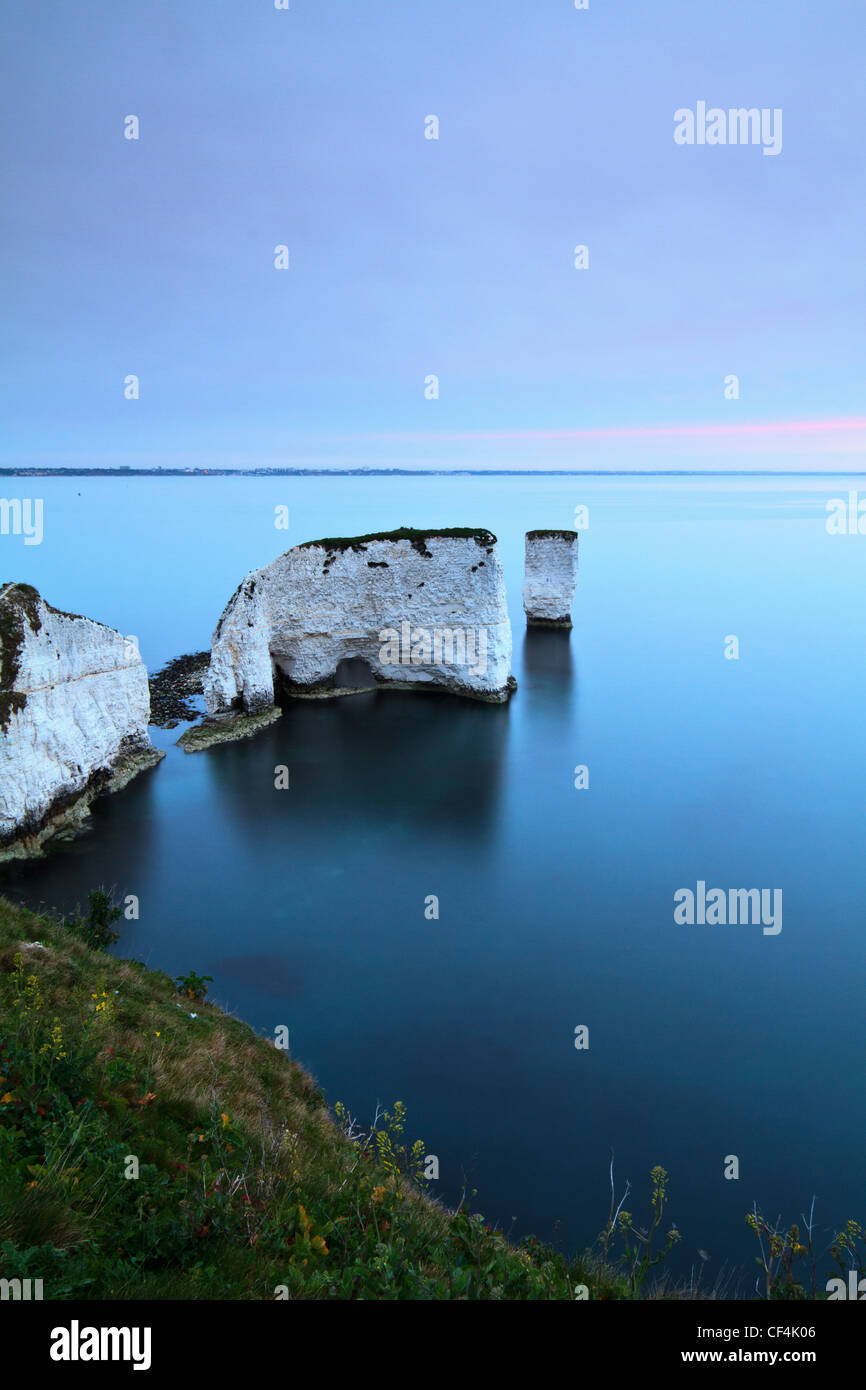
[{"x": 556, "y": 904}]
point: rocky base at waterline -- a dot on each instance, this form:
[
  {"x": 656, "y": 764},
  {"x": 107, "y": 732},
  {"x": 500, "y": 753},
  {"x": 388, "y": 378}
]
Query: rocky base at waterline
[
  {"x": 174, "y": 687},
  {"x": 338, "y": 692},
  {"x": 226, "y": 730},
  {"x": 69, "y": 813},
  {"x": 229, "y": 728},
  {"x": 561, "y": 623},
  {"x": 74, "y": 710}
]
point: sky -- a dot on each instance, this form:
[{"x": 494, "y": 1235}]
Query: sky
[{"x": 411, "y": 258}]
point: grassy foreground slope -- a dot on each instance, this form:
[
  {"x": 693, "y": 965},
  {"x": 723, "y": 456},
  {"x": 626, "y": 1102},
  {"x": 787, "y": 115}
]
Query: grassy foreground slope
[
  {"x": 152, "y": 1146},
  {"x": 246, "y": 1186}
]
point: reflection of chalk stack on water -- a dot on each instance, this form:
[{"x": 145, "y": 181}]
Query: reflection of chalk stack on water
[{"x": 550, "y": 578}]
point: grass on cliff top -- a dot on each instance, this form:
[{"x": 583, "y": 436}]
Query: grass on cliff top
[{"x": 404, "y": 533}]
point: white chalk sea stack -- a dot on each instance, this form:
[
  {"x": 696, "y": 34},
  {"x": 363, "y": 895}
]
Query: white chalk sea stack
[
  {"x": 550, "y": 578},
  {"x": 74, "y": 708},
  {"x": 424, "y": 610}
]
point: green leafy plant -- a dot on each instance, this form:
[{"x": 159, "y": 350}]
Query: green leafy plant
[
  {"x": 193, "y": 986},
  {"x": 95, "y": 929}
]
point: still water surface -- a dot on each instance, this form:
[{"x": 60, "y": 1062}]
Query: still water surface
[{"x": 556, "y": 905}]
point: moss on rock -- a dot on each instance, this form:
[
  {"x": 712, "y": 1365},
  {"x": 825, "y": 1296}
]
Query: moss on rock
[
  {"x": 417, "y": 538},
  {"x": 19, "y": 605}
]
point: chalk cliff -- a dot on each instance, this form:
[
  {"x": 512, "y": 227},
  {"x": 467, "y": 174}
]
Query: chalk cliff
[
  {"x": 424, "y": 609},
  {"x": 550, "y": 578},
  {"x": 74, "y": 708}
]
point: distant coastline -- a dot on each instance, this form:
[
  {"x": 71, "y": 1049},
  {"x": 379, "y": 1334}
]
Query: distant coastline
[{"x": 124, "y": 472}]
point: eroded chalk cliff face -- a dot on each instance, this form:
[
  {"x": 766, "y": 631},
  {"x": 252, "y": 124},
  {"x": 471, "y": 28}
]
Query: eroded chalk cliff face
[
  {"x": 74, "y": 708},
  {"x": 422, "y": 609},
  {"x": 550, "y": 578}
]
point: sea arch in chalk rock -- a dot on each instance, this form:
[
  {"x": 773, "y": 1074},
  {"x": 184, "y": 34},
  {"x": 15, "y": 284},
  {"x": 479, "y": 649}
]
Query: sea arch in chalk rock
[{"x": 288, "y": 626}]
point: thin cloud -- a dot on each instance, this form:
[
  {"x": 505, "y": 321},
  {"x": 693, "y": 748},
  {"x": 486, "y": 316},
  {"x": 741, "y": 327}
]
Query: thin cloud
[{"x": 855, "y": 426}]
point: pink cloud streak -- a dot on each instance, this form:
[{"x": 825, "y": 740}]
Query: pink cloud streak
[{"x": 855, "y": 425}]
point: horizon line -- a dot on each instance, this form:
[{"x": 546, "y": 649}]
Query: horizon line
[{"x": 198, "y": 472}]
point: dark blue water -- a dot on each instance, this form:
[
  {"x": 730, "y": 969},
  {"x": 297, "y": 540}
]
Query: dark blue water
[{"x": 556, "y": 905}]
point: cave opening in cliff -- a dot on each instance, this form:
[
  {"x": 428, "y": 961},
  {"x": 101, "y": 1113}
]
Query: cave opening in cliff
[{"x": 353, "y": 673}]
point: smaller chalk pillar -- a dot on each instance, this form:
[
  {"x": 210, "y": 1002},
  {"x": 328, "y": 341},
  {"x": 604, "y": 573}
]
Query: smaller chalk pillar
[{"x": 549, "y": 578}]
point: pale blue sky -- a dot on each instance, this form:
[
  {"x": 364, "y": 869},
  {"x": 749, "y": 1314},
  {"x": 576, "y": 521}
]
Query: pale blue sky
[{"x": 411, "y": 256}]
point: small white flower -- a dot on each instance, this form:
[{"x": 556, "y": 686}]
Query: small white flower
[{"x": 193, "y": 1015}]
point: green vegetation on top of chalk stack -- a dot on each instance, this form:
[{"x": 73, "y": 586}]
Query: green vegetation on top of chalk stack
[
  {"x": 564, "y": 535},
  {"x": 416, "y": 537},
  {"x": 152, "y": 1146}
]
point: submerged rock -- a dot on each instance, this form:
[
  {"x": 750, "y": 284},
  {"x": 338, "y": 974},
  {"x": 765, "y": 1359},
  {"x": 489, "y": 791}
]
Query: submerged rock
[
  {"x": 550, "y": 578},
  {"x": 74, "y": 710},
  {"x": 423, "y": 610}
]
